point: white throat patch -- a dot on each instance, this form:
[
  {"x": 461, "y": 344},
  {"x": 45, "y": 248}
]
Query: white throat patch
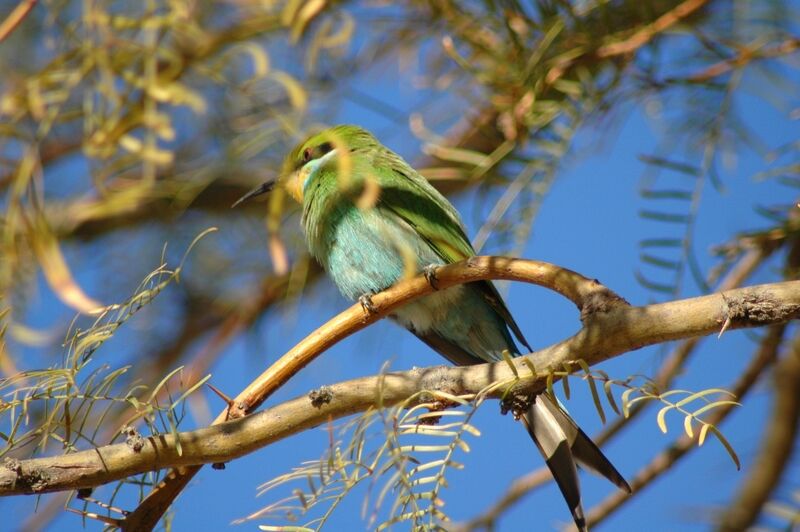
[{"x": 309, "y": 170}]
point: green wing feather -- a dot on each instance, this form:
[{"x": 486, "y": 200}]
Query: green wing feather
[{"x": 409, "y": 195}]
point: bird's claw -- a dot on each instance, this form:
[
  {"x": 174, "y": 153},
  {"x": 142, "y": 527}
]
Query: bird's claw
[
  {"x": 430, "y": 275},
  {"x": 367, "y": 304}
]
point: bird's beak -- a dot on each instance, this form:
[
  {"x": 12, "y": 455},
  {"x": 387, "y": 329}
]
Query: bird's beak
[{"x": 260, "y": 189}]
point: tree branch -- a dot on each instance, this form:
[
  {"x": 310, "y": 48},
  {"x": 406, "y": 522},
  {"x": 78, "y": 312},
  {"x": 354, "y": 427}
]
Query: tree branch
[
  {"x": 15, "y": 18},
  {"x": 776, "y": 449},
  {"x": 671, "y": 367},
  {"x": 632, "y": 43},
  {"x": 606, "y": 333},
  {"x": 663, "y": 462},
  {"x": 585, "y": 293}
]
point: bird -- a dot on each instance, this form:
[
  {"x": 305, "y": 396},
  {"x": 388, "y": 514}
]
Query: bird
[{"x": 371, "y": 220}]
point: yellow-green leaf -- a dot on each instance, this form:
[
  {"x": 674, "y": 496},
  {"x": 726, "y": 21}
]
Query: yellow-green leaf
[{"x": 660, "y": 418}]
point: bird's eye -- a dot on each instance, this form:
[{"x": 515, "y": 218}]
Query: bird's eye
[{"x": 306, "y": 155}]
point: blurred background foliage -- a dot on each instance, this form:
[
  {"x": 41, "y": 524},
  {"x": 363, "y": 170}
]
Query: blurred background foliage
[{"x": 127, "y": 125}]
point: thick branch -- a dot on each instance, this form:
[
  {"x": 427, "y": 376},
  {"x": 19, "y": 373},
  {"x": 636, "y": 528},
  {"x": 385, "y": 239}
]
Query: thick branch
[
  {"x": 586, "y": 294},
  {"x": 604, "y": 335},
  {"x": 675, "y": 451},
  {"x": 671, "y": 367}
]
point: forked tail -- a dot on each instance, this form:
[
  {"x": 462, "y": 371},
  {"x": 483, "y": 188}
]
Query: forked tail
[{"x": 563, "y": 445}]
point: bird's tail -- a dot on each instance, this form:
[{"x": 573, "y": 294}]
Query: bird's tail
[{"x": 563, "y": 444}]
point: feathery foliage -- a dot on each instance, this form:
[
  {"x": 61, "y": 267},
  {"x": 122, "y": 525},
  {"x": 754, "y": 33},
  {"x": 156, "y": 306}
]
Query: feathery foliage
[{"x": 127, "y": 124}]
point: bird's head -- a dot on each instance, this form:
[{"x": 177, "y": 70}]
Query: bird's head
[{"x": 338, "y": 144}]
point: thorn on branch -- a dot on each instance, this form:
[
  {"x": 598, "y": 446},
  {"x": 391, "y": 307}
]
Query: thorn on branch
[
  {"x": 221, "y": 394},
  {"x": 725, "y": 326},
  {"x": 234, "y": 411},
  {"x": 320, "y": 396}
]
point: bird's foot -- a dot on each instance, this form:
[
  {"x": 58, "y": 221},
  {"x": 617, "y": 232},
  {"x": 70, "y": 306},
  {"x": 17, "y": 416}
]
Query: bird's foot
[
  {"x": 430, "y": 275},
  {"x": 367, "y": 304}
]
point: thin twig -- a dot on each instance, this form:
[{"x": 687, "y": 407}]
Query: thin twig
[
  {"x": 607, "y": 333},
  {"x": 664, "y": 461},
  {"x": 776, "y": 449},
  {"x": 15, "y": 18},
  {"x": 744, "y": 57},
  {"x": 634, "y": 42}
]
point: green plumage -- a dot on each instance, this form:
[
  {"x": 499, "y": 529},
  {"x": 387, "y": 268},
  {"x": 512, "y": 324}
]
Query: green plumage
[{"x": 370, "y": 219}]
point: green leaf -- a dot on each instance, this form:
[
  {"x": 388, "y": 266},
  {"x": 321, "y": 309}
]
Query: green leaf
[
  {"x": 661, "y": 243},
  {"x": 191, "y": 390},
  {"x": 507, "y": 358},
  {"x": 163, "y": 382},
  {"x": 610, "y": 397},
  {"x": 725, "y": 443},
  {"x": 660, "y": 262},
  {"x": 565, "y": 381},
  {"x": 713, "y": 405},
  {"x": 654, "y": 286},
  {"x": 667, "y": 217},
  {"x": 698, "y": 395},
  {"x": 667, "y": 194},
  {"x": 683, "y": 168},
  {"x": 701, "y": 438},
  {"x": 660, "y": 418},
  {"x": 687, "y": 426},
  {"x": 626, "y": 401}
]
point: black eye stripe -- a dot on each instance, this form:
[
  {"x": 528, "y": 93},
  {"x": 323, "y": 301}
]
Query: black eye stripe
[{"x": 316, "y": 152}]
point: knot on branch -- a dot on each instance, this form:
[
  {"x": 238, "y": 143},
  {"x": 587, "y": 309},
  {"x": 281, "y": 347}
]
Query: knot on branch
[
  {"x": 440, "y": 379},
  {"x": 321, "y": 396},
  {"x": 32, "y": 481},
  {"x": 757, "y": 308},
  {"x": 600, "y": 299}
]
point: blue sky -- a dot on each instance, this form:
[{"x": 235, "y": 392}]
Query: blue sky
[{"x": 589, "y": 222}]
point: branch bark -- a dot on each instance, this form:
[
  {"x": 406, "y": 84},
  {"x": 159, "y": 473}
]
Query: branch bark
[
  {"x": 670, "y": 369},
  {"x": 674, "y": 452},
  {"x": 776, "y": 449},
  {"x": 607, "y": 332},
  {"x": 587, "y": 295}
]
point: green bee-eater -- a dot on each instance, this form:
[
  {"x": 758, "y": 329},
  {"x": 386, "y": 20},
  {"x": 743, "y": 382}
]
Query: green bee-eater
[{"x": 370, "y": 219}]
